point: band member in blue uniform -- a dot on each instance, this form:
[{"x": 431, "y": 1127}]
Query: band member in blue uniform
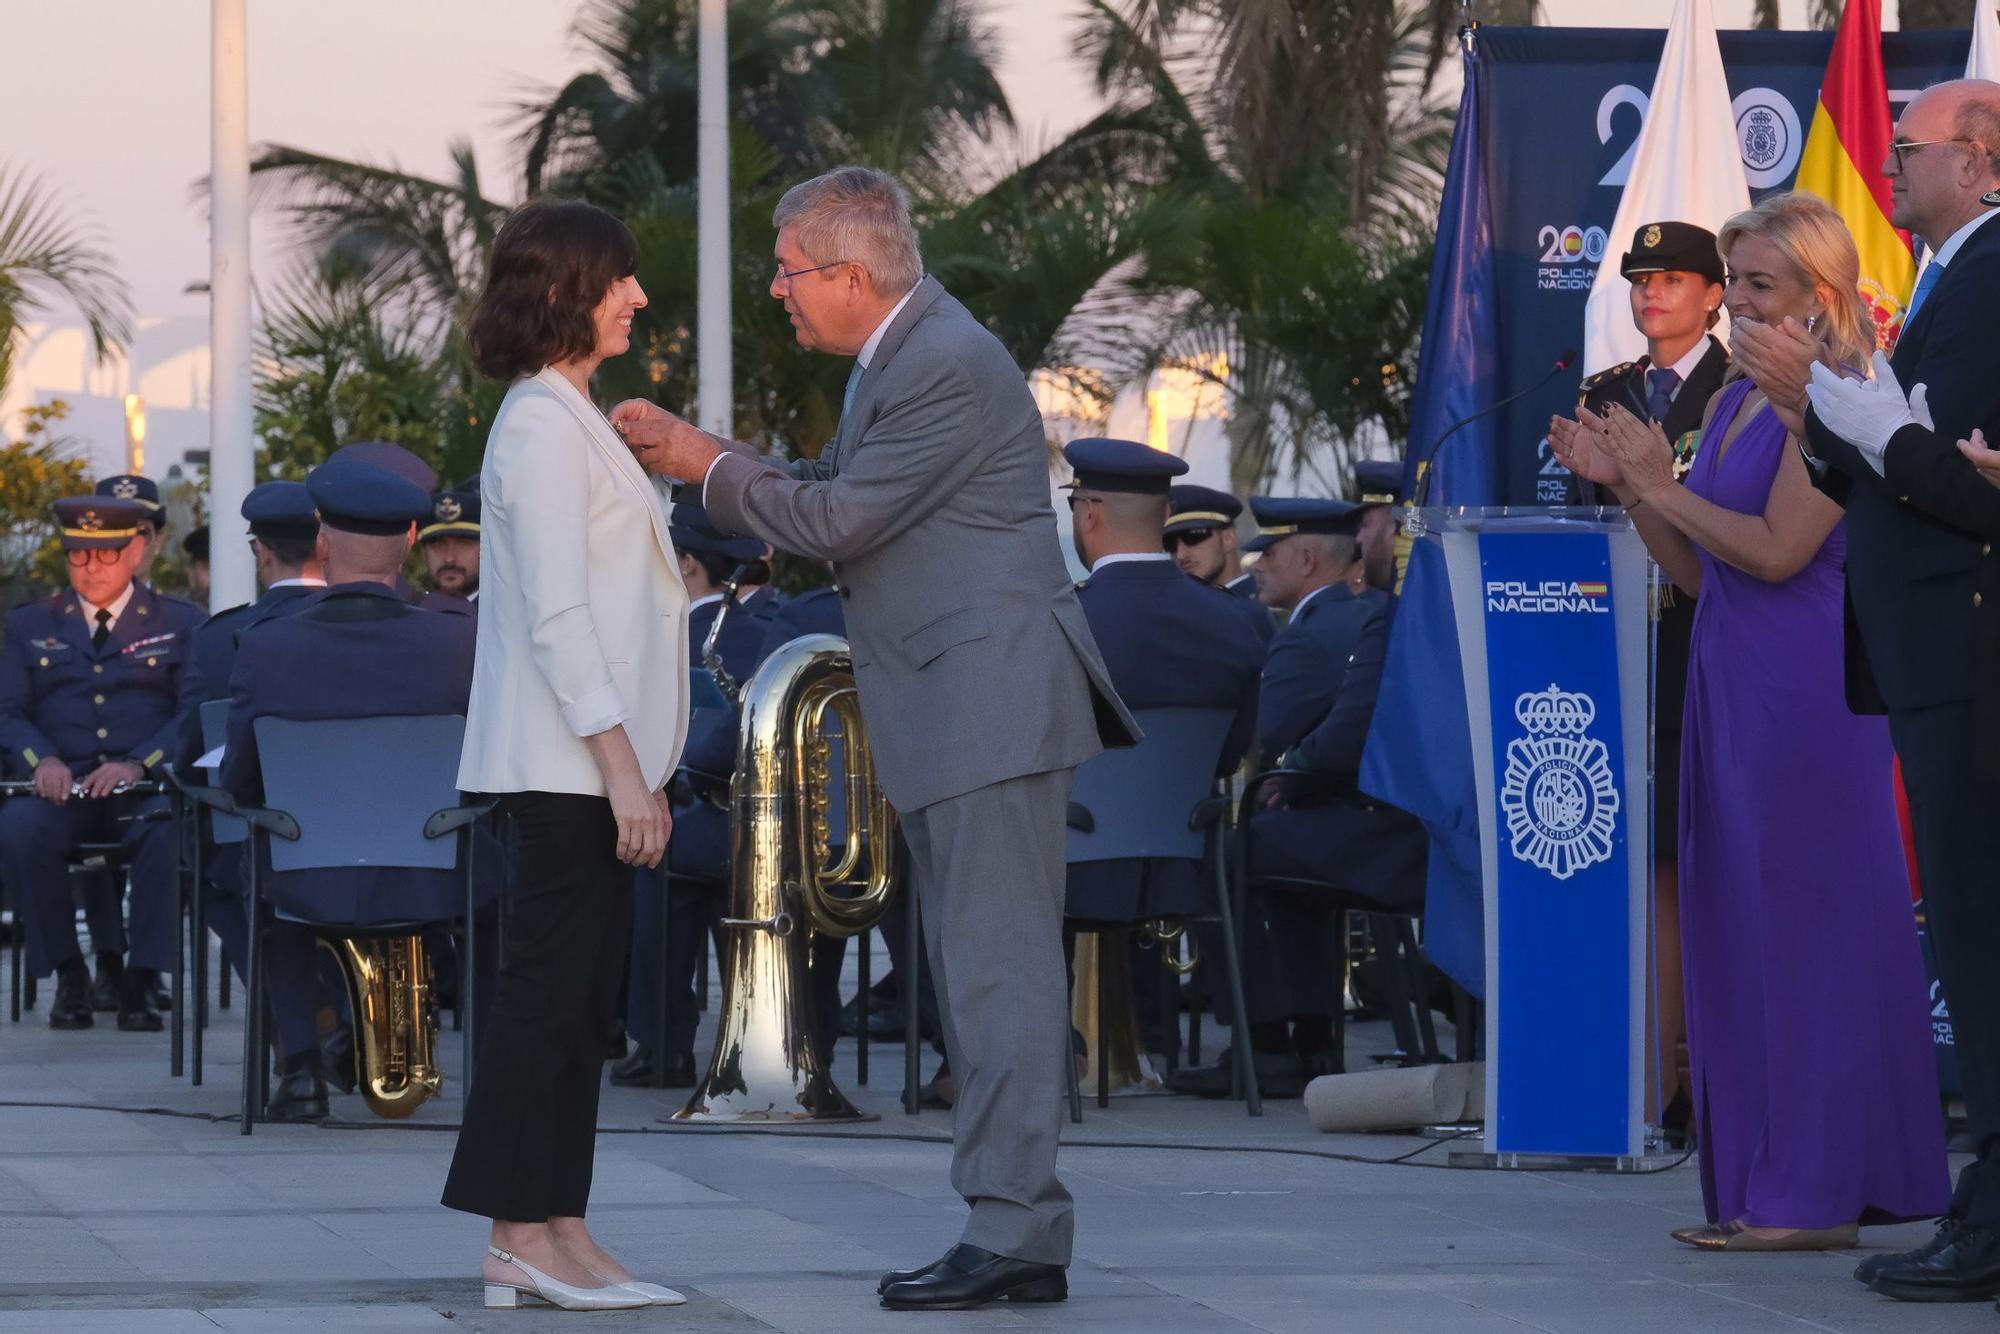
[
  {"x": 89, "y": 682},
  {"x": 346, "y": 655},
  {"x": 448, "y": 539},
  {"x": 698, "y": 847},
  {"x": 1200, "y": 535},
  {"x": 284, "y": 538},
  {"x": 145, "y": 492},
  {"x": 1168, "y": 641}
]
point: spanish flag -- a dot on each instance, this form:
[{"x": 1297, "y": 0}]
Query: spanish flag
[{"x": 1842, "y": 163}]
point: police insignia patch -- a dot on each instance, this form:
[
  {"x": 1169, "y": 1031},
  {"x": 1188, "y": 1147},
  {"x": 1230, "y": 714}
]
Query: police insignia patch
[
  {"x": 1652, "y": 237},
  {"x": 126, "y": 489},
  {"x": 448, "y": 509}
]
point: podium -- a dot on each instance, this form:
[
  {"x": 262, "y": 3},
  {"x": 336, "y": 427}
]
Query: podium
[{"x": 1554, "y": 638}]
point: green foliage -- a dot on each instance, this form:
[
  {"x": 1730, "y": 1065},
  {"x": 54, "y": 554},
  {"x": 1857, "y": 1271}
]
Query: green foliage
[
  {"x": 44, "y": 257},
  {"x": 37, "y": 469}
]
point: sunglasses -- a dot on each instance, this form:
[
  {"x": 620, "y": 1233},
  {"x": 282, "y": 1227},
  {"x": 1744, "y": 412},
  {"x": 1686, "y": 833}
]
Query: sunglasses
[{"x": 1193, "y": 537}]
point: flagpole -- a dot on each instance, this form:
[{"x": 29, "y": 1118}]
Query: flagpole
[
  {"x": 714, "y": 366},
  {"x": 232, "y": 443}
]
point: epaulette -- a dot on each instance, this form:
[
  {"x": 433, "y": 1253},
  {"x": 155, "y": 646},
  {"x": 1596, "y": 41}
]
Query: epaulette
[{"x": 1591, "y": 382}]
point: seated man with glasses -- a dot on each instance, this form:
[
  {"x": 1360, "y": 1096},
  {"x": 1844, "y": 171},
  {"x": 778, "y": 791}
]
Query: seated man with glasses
[
  {"x": 89, "y": 680},
  {"x": 1201, "y": 537}
]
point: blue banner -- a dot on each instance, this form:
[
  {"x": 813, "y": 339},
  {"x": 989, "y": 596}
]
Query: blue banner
[
  {"x": 1553, "y": 128},
  {"x": 1562, "y": 900}
]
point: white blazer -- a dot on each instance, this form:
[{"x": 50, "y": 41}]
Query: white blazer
[{"x": 582, "y": 614}]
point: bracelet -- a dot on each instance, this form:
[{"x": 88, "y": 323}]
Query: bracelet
[{"x": 1635, "y": 504}]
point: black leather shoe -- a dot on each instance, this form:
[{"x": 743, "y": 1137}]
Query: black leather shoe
[
  {"x": 1964, "y": 1269},
  {"x": 105, "y": 991},
  {"x": 1865, "y": 1271},
  {"x": 72, "y": 1008},
  {"x": 336, "y": 1058},
  {"x": 162, "y": 998},
  {"x": 635, "y": 1071},
  {"x": 299, "y": 1096},
  {"x": 1279, "y": 1075},
  {"x": 968, "y": 1276},
  {"x": 895, "y": 1276},
  {"x": 135, "y": 1003}
]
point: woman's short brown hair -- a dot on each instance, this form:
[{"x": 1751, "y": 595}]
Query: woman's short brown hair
[{"x": 553, "y": 262}]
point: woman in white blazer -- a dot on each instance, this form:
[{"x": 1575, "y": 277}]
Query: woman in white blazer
[{"x": 578, "y": 714}]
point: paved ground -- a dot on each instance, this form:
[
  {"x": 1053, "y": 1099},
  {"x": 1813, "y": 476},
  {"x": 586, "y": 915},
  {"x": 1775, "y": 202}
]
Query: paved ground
[{"x": 124, "y": 1223}]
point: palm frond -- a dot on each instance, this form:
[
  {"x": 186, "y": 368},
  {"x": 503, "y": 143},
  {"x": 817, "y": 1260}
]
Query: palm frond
[{"x": 49, "y": 257}]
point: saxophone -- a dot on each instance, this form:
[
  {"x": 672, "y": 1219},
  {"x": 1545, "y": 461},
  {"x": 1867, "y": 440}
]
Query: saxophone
[{"x": 395, "y": 1026}]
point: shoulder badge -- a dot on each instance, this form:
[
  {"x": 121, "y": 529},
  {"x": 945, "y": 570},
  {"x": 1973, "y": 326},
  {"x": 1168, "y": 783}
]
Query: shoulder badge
[{"x": 1592, "y": 381}]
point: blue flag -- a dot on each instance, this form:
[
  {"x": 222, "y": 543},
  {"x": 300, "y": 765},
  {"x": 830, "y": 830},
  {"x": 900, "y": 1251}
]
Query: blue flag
[
  {"x": 1419, "y": 759},
  {"x": 1458, "y": 374}
]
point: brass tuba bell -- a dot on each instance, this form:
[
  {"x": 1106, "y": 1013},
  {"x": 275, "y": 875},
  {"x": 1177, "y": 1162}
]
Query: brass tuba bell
[{"x": 801, "y": 757}]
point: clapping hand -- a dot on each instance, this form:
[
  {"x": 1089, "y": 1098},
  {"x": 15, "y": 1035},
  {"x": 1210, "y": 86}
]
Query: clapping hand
[
  {"x": 1982, "y": 456},
  {"x": 1639, "y": 448},
  {"x": 1868, "y": 413},
  {"x": 1576, "y": 447},
  {"x": 1779, "y": 359},
  {"x": 662, "y": 442}
]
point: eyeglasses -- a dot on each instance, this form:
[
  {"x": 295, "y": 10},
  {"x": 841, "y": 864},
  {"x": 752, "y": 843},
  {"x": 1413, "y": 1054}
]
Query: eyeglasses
[
  {"x": 97, "y": 556},
  {"x": 785, "y": 275},
  {"x": 1075, "y": 500},
  {"x": 1192, "y": 537},
  {"x": 1898, "y": 147}
]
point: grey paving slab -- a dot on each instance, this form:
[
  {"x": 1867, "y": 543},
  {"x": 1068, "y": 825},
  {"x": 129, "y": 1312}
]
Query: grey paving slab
[{"x": 1188, "y": 1220}]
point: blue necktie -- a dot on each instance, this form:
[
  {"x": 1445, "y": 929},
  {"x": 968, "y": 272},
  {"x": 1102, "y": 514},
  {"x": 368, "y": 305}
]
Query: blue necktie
[
  {"x": 1660, "y": 386},
  {"x": 853, "y": 383},
  {"x": 1924, "y": 286}
]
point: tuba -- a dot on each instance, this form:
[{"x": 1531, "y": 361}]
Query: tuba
[
  {"x": 395, "y": 1026},
  {"x": 812, "y": 850}
]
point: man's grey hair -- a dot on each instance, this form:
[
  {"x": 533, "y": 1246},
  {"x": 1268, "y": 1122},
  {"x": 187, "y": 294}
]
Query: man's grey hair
[
  {"x": 1978, "y": 118},
  {"x": 856, "y": 215}
]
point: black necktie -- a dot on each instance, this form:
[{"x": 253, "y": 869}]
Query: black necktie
[{"x": 103, "y": 631}]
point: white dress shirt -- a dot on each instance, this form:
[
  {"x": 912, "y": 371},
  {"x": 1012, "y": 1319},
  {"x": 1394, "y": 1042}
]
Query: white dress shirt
[
  {"x": 117, "y": 607},
  {"x": 1118, "y": 556}
]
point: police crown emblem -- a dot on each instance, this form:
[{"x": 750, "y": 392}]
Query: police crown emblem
[
  {"x": 1558, "y": 795},
  {"x": 1652, "y": 237},
  {"x": 448, "y": 509}
]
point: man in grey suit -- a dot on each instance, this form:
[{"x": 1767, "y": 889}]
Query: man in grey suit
[{"x": 979, "y": 680}]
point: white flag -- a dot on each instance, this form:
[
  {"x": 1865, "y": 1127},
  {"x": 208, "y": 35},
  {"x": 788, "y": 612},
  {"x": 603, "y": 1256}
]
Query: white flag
[
  {"x": 1686, "y": 167},
  {"x": 1984, "y": 60}
]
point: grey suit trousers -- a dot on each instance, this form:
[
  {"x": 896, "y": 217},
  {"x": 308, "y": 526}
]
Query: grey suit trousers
[{"x": 989, "y": 871}]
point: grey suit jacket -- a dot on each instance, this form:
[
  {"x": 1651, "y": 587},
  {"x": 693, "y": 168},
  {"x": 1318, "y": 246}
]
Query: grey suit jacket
[{"x": 973, "y": 658}]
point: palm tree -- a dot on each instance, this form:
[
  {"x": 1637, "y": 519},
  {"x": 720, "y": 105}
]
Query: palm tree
[{"x": 46, "y": 258}]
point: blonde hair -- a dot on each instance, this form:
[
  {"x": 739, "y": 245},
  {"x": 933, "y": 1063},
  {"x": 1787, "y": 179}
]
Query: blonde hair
[{"x": 1816, "y": 242}]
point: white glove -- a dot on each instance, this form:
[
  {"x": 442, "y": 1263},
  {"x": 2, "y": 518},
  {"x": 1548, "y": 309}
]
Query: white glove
[{"x": 1867, "y": 413}]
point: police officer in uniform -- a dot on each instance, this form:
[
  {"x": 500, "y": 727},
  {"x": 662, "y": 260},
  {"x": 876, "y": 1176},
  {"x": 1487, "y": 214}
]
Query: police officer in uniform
[
  {"x": 89, "y": 683},
  {"x": 345, "y": 654},
  {"x": 698, "y": 848},
  {"x": 1168, "y": 641},
  {"x": 1677, "y": 276},
  {"x": 449, "y": 543},
  {"x": 1200, "y": 535},
  {"x": 284, "y": 536},
  {"x": 152, "y": 524},
  {"x": 1309, "y": 553}
]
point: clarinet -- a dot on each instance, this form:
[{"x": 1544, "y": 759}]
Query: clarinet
[
  {"x": 711, "y": 657},
  {"x": 26, "y": 787}
]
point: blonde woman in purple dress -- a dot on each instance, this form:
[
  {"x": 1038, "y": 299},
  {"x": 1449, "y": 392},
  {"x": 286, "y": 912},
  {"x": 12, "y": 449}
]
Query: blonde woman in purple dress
[{"x": 1815, "y": 1084}]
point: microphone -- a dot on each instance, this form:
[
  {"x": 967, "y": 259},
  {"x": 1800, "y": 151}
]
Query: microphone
[{"x": 1563, "y": 363}]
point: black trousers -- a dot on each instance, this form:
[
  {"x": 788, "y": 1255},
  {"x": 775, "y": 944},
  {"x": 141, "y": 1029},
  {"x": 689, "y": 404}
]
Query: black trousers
[
  {"x": 1953, "y": 807},
  {"x": 529, "y": 1139}
]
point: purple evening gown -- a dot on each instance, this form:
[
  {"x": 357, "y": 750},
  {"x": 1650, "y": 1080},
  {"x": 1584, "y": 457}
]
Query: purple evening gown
[{"x": 1815, "y": 1086}]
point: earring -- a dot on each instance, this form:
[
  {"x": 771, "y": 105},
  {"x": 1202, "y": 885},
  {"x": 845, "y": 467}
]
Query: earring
[
  {"x": 1991, "y": 198},
  {"x": 1811, "y": 320}
]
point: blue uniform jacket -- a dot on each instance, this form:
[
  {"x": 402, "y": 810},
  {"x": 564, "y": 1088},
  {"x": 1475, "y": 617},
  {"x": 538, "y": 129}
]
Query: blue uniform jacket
[
  {"x": 1168, "y": 641},
  {"x": 1329, "y": 830},
  {"x": 213, "y": 657},
  {"x": 1308, "y": 659},
  {"x": 357, "y": 651},
  {"x": 699, "y": 845},
  {"x": 61, "y": 697}
]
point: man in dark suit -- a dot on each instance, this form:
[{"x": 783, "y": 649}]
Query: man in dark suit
[
  {"x": 1919, "y": 580},
  {"x": 693, "y": 879},
  {"x": 347, "y": 655},
  {"x": 1168, "y": 640},
  {"x": 89, "y": 678}
]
